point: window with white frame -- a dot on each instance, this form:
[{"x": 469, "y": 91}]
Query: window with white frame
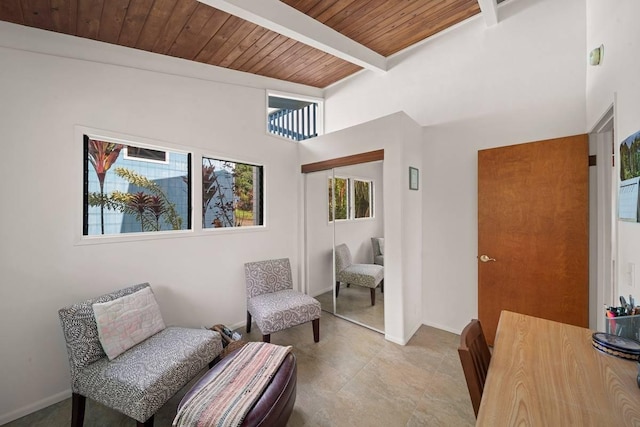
[
  {"x": 130, "y": 188},
  {"x": 232, "y": 194},
  {"x": 350, "y": 198}
]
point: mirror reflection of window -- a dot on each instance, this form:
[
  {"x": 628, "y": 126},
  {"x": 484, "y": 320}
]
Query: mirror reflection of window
[
  {"x": 353, "y": 198},
  {"x": 341, "y": 198},
  {"x": 362, "y": 199}
]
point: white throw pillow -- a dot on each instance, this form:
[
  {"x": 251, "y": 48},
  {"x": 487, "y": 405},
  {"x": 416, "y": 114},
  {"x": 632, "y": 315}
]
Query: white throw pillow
[{"x": 127, "y": 321}]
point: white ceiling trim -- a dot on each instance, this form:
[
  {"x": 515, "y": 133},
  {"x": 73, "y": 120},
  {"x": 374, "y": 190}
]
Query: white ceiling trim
[
  {"x": 283, "y": 19},
  {"x": 489, "y": 10}
]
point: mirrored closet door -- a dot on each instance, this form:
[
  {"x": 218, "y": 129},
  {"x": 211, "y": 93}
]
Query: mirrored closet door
[
  {"x": 318, "y": 239},
  {"x": 344, "y": 229}
]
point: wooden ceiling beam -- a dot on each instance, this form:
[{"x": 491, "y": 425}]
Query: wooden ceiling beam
[
  {"x": 489, "y": 10},
  {"x": 283, "y": 19}
]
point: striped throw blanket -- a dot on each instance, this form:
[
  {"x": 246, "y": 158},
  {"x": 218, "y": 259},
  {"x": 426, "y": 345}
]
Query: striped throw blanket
[{"x": 227, "y": 398}]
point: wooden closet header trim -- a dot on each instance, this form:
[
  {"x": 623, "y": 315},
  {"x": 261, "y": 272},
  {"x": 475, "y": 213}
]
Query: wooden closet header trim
[{"x": 354, "y": 159}]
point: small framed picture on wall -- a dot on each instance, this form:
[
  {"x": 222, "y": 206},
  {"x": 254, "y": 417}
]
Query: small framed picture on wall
[{"x": 413, "y": 178}]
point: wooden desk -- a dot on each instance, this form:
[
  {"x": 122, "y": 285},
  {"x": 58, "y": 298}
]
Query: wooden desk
[{"x": 544, "y": 373}]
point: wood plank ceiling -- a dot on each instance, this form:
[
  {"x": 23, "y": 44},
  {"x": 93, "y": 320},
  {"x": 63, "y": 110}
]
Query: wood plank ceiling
[{"x": 193, "y": 31}]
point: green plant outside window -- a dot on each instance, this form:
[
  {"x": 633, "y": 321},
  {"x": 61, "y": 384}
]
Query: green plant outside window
[
  {"x": 232, "y": 194},
  {"x": 341, "y": 198},
  {"x": 362, "y": 199}
]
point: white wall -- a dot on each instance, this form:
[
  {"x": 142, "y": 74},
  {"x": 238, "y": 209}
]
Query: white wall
[
  {"x": 617, "y": 79},
  {"x": 355, "y": 233},
  {"x": 474, "y": 88},
  {"x": 411, "y": 226},
  {"x": 197, "y": 280},
  {"x": 400, "y": 138}
]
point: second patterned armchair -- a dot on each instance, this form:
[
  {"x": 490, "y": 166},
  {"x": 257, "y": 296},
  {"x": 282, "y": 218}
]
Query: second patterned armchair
[{"x": 273, "y": 303}]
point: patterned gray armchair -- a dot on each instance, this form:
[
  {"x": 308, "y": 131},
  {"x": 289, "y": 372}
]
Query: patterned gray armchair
[
  {"x": 141, "y": 379},
  {"x": 272, "y": 301},
  {"x": 377, "y": 243},
  {"x": 367, "y": 275}
]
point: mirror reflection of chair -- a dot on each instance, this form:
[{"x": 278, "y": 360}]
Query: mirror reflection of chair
[
  {"x": 272, "y": 301},
  {"x": 475, "y": 357},
  {"x": 377, "y": 243},
  {"x": 366, "y": 275}
]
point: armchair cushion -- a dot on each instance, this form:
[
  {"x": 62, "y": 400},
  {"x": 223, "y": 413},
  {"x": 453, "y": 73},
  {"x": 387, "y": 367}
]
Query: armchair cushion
[
  {"x": 143, "y": 378},
  {"x": 280, "y": 310},
  {"x": 81, "y": 331},
  {"x": 267, "y": 276},
  {"x": 367, "y": 275},
  {"x": 127, "y": 321}
]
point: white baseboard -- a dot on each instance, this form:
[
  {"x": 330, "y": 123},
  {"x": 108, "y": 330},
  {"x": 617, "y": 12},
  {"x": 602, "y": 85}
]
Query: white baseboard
[
  {"x": 238, "y": 325},
  {"x": 403, "y": 340},
  {"x": 323, "y": 291},
  {"x": 395, "y": 340},
  {"x": 35, "y": 406},
  {"x": 413, "y": 332},
  {"x": 443, "y": 327}
]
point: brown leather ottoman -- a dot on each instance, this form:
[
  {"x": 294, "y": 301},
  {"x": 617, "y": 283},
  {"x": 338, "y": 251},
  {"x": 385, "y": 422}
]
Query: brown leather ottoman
[{"x": 275, "y": 405}]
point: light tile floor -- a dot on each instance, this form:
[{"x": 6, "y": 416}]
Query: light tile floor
[
  {"x": 352, "y": 377},
  {"x": 354, "y": 303}
]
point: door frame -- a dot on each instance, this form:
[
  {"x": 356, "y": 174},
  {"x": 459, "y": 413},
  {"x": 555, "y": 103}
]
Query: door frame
[{"x": 603, "y": 222}]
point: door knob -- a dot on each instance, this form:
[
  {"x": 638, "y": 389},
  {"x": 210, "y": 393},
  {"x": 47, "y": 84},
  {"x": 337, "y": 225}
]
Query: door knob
[{"x": 486, "y": 258}]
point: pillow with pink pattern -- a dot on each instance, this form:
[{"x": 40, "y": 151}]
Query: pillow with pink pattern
[{"x": 127, "y": 321}]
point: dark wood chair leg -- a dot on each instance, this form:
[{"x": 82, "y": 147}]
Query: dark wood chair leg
[
  {"x": 337, "y": 288},
  {"x": 248, "y": 322},
  {"x": 78, "y": 403},
  {"x": 148, "y": 423},
  {"x": 266, "y": 338},
  {"x": 373, "y": 296},
  {"x": 316, "y": 330},
  {"x": 382, "y": 287}
]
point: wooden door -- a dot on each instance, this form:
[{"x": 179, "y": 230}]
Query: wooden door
[{"x": 533, "y": 226}]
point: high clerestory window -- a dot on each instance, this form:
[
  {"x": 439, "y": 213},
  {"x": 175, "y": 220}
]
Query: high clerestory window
[{"x": 293, "y": 117}]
